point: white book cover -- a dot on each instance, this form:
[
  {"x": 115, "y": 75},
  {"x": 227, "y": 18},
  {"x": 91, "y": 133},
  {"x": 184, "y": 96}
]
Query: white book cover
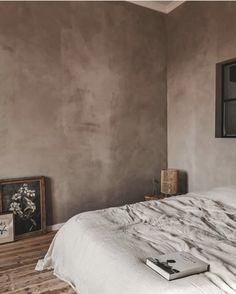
[{"x": 177, "y": 265}]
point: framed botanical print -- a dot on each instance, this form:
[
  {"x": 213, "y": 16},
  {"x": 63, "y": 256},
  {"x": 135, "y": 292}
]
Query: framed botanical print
[
  {"x": 6, "y": 227},
  {"x": 25, "y": 198}
]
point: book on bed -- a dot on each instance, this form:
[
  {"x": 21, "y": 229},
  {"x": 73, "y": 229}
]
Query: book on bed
[{"x": 177, "y": 265}]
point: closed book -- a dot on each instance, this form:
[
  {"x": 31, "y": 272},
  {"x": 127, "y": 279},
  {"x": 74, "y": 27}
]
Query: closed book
[{"x": 177, "y": 265}]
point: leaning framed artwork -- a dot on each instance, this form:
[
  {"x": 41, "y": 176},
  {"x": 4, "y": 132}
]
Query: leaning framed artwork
[
  {"x": 6, "y": 228},
  {"x": 25, "y": 198}
]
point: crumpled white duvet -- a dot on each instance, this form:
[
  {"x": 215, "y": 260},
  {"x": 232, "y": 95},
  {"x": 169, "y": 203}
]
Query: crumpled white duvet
[{"x": 104, "y": 251}]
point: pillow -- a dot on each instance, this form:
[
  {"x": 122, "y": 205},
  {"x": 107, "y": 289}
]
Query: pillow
[{"x": 226, "y": 195}]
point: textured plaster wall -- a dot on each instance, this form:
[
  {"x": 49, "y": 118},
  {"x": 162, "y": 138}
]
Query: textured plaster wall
[
  {"x": 83, "y": 100},
  {"x": 200, "y": 34}
]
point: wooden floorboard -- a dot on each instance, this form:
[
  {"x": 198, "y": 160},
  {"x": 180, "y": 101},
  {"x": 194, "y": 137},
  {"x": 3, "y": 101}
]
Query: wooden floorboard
[{"x": 17, "y": 264}]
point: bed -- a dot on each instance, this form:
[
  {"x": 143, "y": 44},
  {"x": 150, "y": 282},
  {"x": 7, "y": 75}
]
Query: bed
[{"x": 104, "y": 251}]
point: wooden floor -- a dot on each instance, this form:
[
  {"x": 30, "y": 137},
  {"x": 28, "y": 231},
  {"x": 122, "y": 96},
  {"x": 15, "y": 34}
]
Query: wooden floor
[{"x": 17, "y": 263}]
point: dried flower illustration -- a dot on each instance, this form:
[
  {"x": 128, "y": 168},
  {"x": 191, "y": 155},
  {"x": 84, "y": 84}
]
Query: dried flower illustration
[
  {"x": 3, "y": 228},
  {"x": 22, "y": 204}
]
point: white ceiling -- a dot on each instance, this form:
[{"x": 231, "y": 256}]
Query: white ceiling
[{"x": 162, "y": 6}]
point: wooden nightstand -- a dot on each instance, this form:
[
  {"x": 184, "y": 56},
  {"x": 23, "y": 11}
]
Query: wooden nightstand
[{"x": 154, "y": 197}]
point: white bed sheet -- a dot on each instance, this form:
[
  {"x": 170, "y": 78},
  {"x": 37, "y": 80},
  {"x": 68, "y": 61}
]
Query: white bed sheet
[{"x": 104, "y": 251}]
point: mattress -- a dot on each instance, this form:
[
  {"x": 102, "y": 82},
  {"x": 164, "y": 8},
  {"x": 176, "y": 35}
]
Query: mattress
[{"x": 104, "y": 251}]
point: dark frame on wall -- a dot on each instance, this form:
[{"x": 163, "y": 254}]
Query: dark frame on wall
[{"x": 225, "y": 100}]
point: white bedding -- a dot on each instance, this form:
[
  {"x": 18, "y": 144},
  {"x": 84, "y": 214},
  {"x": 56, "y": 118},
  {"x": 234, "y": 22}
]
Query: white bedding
[{"x": 104, "y": 252}]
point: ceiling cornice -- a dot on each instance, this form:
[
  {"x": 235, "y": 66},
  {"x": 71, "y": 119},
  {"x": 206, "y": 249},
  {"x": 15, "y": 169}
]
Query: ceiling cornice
[{"x": 158, "y": 6}]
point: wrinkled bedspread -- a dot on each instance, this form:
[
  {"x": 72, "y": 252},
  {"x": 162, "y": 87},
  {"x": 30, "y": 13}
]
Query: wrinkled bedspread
[{"x": 104, "y": 251}]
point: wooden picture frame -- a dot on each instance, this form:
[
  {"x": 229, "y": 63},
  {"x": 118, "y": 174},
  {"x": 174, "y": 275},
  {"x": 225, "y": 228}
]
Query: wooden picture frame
[
  {"x": 25, "y": 197},
  {"x": 7, "y": 228}
]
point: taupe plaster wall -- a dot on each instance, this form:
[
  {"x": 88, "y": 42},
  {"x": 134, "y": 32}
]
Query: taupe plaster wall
[
  {"x": 83, "y": 100},
  {"x": 200, "y": 34}
]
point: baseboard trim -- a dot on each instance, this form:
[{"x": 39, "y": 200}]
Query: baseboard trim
[{"x": 55, "y": 227}]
